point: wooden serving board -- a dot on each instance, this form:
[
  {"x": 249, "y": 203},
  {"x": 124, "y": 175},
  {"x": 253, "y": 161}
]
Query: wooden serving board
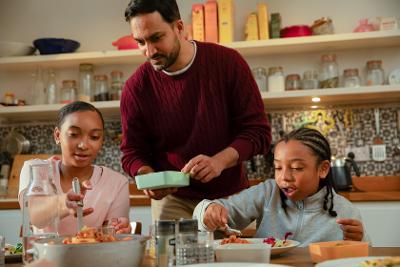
[{"x": 13, "y": 181}]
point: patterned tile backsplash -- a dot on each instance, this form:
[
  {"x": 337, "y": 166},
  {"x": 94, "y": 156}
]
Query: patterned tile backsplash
[{"x": 346, "y": 129}]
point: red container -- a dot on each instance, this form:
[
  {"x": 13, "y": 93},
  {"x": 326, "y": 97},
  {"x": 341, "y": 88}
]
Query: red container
[
  {"x": 125, "y": 42},
  {"x": 296, "y": 31}
]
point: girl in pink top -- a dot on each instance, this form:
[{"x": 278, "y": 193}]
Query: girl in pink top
[{"x": 105, "y": 194}]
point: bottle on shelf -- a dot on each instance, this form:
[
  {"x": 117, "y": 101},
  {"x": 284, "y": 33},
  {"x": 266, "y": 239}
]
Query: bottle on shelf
[
  {"x": 86, "y": 82},
  {"x": 38, "y": 90},
  {"x": 117, "y": 84},
  {"x": 52, "y": 90},
  {"x": 351, "y": 78},
  {"x": 329, "y": 72},
  {"x": 375, "y": 73},
  {"x": 276, "y": 79},
  {"x": 101, "y": 88},
  {"x": 68, "y": 92}
]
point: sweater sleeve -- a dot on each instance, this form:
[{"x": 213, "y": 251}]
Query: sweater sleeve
[
  {"x": 253, "y": 134},
  {"x": 134, "y": 146}
]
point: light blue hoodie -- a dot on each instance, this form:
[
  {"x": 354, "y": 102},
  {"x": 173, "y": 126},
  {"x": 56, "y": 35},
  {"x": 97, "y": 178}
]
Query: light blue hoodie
[{"x": 306, "y": 219}]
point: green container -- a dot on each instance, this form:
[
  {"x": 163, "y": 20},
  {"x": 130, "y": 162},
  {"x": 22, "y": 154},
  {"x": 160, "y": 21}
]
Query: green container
[{"x": 158, "y": 180}]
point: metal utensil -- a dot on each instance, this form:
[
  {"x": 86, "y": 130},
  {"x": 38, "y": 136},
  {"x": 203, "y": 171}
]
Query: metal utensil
[
  {"x": 76, "y": 187},
  {"x": 378, "y": 147},
  {"x": 230, "y": 230}
]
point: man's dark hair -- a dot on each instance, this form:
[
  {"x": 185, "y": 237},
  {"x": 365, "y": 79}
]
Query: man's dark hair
[
  {"x": 168, "y": 9},
  {"x": 77, "y": 106}
]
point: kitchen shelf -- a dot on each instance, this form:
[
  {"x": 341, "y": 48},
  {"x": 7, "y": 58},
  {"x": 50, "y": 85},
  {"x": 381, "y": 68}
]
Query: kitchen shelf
[
  {"x": 320, "y": 43},
  {"x": 272, "y": 100},
  {"x": 332, "y": 96}
]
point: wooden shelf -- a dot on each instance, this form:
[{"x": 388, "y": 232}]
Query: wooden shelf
[
  {"x": 273, "y": 101},
  {"x": 333, "y": 96},
  {"x": 333, "y": 42}
]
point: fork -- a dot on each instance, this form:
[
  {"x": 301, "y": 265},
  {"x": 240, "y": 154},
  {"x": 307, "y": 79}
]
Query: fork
[{"x": 228, "y": 230}]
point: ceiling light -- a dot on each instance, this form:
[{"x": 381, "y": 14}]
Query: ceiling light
[
  {"x": 314, "y": 107},
  {"x": 315, "y": 99}
]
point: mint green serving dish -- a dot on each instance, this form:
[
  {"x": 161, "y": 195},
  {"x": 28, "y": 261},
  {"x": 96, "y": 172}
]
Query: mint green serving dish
[{"x": 166, "y": 179}]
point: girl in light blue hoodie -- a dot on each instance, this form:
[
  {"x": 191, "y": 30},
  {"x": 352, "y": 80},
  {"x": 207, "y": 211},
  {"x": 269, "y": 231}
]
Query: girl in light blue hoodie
[{"x": 300, "y": 200}]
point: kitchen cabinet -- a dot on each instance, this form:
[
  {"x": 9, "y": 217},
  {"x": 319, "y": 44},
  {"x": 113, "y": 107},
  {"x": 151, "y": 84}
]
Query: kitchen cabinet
[{"x": 262, "y": 48}]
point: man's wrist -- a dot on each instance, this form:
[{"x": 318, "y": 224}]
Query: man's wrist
[{"x": 144, "y": 169}]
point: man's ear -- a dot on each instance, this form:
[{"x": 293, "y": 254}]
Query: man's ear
[
  {"x": 180, "y": 26},
  {"x": 324, "y": 168}
]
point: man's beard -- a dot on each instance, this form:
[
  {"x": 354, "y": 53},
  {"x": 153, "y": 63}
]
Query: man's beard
[{"x": 166, "y": 60}]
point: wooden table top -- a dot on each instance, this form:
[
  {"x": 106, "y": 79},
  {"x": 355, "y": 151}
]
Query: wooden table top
[{"x": 298, "y": 257}]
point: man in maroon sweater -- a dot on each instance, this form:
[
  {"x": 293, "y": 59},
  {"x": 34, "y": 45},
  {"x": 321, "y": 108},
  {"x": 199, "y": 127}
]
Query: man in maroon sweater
[{"x": 193, "y": 107}]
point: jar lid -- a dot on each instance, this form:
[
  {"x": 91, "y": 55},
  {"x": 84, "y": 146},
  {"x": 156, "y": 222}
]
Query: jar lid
[
  {"x": 116, "y": 73},
  {"x": 350, "y": 72},
  {"x": 273, "y": 70},
  {"x": 374, "y": 64},
  {"x": 259, "y": 70},
  {"x": 100, "y": 77},
  {"x": 165, "y": 227},
  {"x": 9, "y": 94},
  {"x": 86, "y": 67},
  {"x": 328, "y": 57},
  {"x": 71, "y": 83},
  {"x": 293, "y": 77},
  {"x": 188, "y": 225}
]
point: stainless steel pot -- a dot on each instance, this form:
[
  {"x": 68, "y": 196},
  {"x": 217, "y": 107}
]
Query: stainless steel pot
[
  {"x": 15, "y": 143},
  {"x": 128, "y": 253}
]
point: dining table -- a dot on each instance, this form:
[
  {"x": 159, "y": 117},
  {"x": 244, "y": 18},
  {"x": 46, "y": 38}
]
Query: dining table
[{"x": 297, "y": 257}]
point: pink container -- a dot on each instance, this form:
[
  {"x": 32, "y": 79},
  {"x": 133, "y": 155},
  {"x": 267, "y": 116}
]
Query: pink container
[
  {"x": 296, "y": 31},
  {"x": 126, "y": 42}
]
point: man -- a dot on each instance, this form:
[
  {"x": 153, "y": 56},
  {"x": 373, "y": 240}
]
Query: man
[{"x": 193, "y": 107}]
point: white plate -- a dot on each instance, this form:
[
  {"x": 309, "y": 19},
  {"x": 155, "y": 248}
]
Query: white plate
[
  {"x": 274, "y": 250},
  {"x": 394, "y": 77},
  {"x": 235, "y": 264},
  {"x": 346, "y": 262}
]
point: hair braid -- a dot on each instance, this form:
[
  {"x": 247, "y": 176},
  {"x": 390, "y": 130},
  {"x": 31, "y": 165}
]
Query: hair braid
[{"x": 320, "y": 146}]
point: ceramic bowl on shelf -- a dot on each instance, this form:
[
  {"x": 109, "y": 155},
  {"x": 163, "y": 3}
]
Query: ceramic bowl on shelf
[
  {"x": 47, "y": 46},
  {"x": 12, "y": 49}
]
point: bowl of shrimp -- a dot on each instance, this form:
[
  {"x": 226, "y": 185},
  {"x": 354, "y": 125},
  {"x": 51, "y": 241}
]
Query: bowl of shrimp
[{"x": 92, "y": 247}]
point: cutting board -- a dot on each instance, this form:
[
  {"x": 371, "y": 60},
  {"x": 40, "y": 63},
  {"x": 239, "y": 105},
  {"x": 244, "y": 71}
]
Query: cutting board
[{"x": 13, "y": 181}]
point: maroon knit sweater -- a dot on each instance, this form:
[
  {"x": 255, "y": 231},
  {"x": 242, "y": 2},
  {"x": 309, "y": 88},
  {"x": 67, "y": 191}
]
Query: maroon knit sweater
[{"x": 167, "y": 120}]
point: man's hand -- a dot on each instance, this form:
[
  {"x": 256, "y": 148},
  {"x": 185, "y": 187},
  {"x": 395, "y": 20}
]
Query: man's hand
[
  {"x": 352, "y": 229},
  {"x": 203, "y": 168},
  {"x": 215, "y": 216},
  {"x": 158, "y": 194}
]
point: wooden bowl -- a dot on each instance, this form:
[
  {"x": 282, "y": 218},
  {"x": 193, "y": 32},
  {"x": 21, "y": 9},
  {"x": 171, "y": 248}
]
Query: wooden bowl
[
  {"x": 376, "y": 183},
  {"x": 323, "y": 251}
]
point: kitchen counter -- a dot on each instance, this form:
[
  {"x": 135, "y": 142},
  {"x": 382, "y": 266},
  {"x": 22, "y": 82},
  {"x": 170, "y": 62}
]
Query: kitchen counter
[{"x": 137, "y": 198}]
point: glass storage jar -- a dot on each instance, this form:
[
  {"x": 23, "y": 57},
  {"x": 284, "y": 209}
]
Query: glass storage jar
[
  {"x": 101, "y": 88},
  {"x": 293, "y": 82},
  {"x": 117, "y": 84},
  {"x": 85, "y": 82},
  {"x": 351, "y": 78},
  {"x": 375, "y": 73},
  {"x": 310, "y": 79},
  {"x": 276, "y": 79},
  {"x": 329, "y": 72},
  {"x": 68, "y": 91},
  {"x": 260, "y": 75}
]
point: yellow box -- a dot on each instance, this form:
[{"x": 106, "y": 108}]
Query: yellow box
[
  {"x": 263, "y": 26},
  {"x": 251, "y": 28},
  {"x": 198, "y": 22},
  {"x": 226, "y": 21}
]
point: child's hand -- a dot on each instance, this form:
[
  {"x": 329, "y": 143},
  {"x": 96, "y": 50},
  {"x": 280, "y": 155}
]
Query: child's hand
[
  {"x": 216, "y": 216},
  {"x": 72, "y": 199},
  {"x": 352, "y": 229},
  {"x": 121, "y": 225}
]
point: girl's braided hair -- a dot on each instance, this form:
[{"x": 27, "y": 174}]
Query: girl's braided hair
[{"x": 320, "y": 146}]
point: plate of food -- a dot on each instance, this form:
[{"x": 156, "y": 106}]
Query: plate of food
[
  {"x": 278, "y": 246},
  {"x": 361, "y": 262},
  {"x": 13, "y": 253}
]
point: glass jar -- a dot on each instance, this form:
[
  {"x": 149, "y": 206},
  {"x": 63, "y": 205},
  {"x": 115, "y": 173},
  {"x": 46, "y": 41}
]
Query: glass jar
[
  {"x": 101, "y": 88},
  {"x": 165, "y": 236},
  {"x": 85, "y": 82},
  {"x": 40, "y": 215},
  {"x": 186, "y": 241},
  {"x": 260, "y": 75},
  {"x": 375, "y": 73},
  {"x": 276, "y": 79},
  {"x": 9, "y": 98},
  {"x": 293, "y": 82},
  {"x": 351, "y": 78},
  {"x": 52, "y": 90},
  {"x": 323, "y": 25},
  {"x": 329, "y": 72},
  {"x": 117, "y": 84},
  {"x": 310, "y": 79},
  {"x": 68, "y": 91}
]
